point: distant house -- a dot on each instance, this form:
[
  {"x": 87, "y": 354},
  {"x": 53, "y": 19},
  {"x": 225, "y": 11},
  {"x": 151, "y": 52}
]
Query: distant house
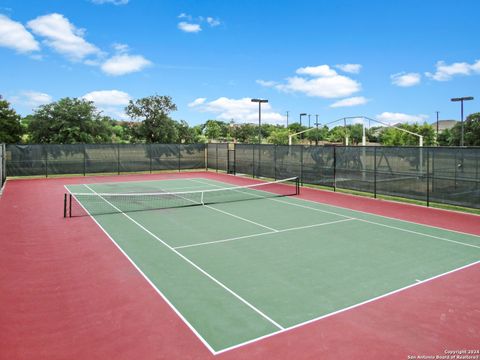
[{"x": 444, "y": 124}]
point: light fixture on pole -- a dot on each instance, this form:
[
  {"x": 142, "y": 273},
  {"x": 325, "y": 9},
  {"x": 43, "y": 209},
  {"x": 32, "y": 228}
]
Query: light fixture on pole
[
  {"x": 259, "y": 101},
  {"x": 462, "y": 99}
]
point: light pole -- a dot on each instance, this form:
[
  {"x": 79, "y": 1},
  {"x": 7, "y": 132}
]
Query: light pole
[
  {"x": 287, "y": 119},
  {"x": 259, "y": 101},
  {"x": 462, "y": 99},
  {"x": 316, "y": 124},
  {"x": 309, "y": 120},
  {"x": 302, "y": 114}
]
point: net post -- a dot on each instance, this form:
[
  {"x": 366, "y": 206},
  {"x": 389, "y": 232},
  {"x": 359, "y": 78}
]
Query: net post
[
  {"x": 201, "y": 199},
  {"x": 65, "y": 205},
  {"x": 375, "y": 172},
  {"x": 70, "y": 206},
  {"x": 297, "y": 185}
]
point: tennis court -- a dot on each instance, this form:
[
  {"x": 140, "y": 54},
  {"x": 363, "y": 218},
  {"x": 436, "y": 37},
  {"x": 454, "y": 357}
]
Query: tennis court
[{"x": 252, "y": 262}]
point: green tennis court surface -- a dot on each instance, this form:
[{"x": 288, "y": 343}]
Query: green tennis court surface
[{"x": 241, "y": 270}]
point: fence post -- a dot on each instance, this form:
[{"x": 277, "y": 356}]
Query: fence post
[
  {"x": 150, "y": 153},
  {"x": 179, "y": 166},
  {"x": 253, "y": 161},
  {"x": 118, "y": 159},
  {"x": 301, "y": 165},
  {"x": 205, "y": 156},
  {"x": 216, "y": 157},
  {"x": 46, "y": 160},
  {"x": 84, "y": 159},
  {"x": 275, "y": 162},
  {"x": 334, "y": 168},
  {"x": 428, "y": 177},
  {"x": 375, "y": 172},
  {"x": 234, "y": 159}
]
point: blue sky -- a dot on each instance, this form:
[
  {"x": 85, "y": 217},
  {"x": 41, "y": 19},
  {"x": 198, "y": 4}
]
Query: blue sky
[{"x": 391, "y": 60}]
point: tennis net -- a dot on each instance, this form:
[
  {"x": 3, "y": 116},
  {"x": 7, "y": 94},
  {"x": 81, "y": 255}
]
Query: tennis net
[{"x": 94, "y": 203}]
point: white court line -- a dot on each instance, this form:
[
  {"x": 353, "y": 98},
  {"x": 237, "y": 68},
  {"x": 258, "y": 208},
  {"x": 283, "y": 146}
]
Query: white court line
[
  {"x": 242, "y": 218},
  {"x": 192, "y": 263},
  {"x": 300, "y": 324},
  {"x": 261, "y": 234},
  {"x": 368, "y": 221},
  {"x": 155, "y": 288},
  {"x": 344, "y": 309}
]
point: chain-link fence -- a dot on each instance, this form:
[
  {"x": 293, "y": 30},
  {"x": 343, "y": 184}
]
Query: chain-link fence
[
  {"x": 430, "y": 174},
  {"x": 3, "y": 174},
  {"x": 28, "y": 160},
  {"x": 442, "y": 175}
]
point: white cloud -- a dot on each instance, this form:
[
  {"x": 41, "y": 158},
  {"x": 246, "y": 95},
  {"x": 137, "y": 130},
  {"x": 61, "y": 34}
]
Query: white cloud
[
  {"x": 325, "y": 87},
  {"x": 197, "y": 102},
  {"x": 14, "y": 35},
  {"x": 124, "y": 64},
  {"x": 114, "y": 2},
  {"x": 353, "y": 101},
  {"x": 405, "y": 79},
  {"x": 319, "y": 81},
  {"x": 266, "y": 83},
  {"x": 240, "y": 110},
  {"x": 189, "y": 27},
  {"x": 31, "y": 98},
  {"x": 184, "y": 16},
  {"x": 349, "y": 68},
  {"x": 395, "y": 118},
  {"x": 212, "y": 21},
  {"x": 108, "y": 97},
  {"x": 321, "y": 70},
  {"x": 445, "y": 72},
  {"x": 110, "y": 102},
  {"x": 63, "y": 36},
  {"x": 121, "y": 48}
]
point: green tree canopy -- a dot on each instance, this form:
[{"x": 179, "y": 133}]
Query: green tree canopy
[
  {"x": 471, "y": 132},
  {"x": 157, "y": 127},
  {"x": 392, "y": 136},
  {"x": 10, "y": 127},
  {"x": 279, "y": 136},
  {"x": 69, "y": 121}
]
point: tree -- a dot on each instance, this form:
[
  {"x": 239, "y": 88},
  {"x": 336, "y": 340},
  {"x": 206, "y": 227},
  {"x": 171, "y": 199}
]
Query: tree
[
  {"x": 319, "y": 134},
  {"x": 186, "y": 134},
  {"x": 156, "y": 127},
  {"x": 10, "y": 127},
  {"x": 69, "y": 121},
  {"x": 279, "y": 136},
  {"x": 471, "y": 128},
  {"x": 393, "y": 136},
  {"x": 213, "y": 130}
]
